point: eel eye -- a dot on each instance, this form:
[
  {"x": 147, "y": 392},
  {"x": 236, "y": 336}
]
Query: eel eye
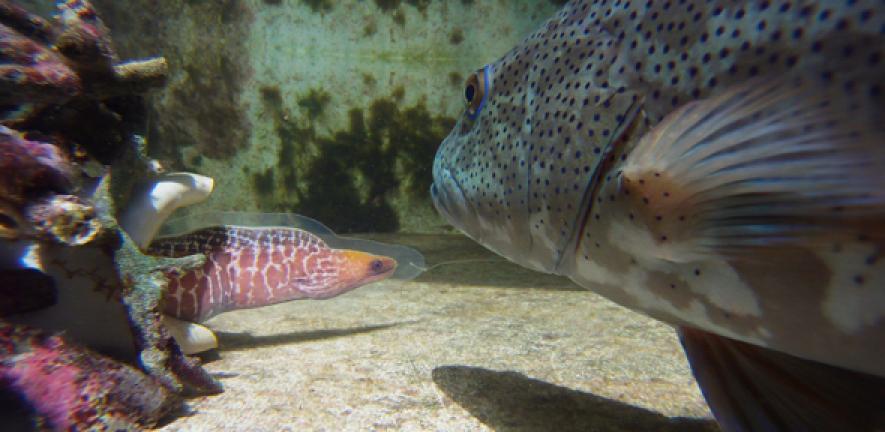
[
  {"x": 377, "y": 266},
  {"x": 475, "y": 92}
]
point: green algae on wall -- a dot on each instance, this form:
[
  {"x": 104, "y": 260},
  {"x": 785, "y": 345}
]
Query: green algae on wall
[
  {"x": 393, "y": 73},
  {"x": 317, "y": 6},
  {"x": 332, "y": 109},
  {"x": 345, "y": 178}
]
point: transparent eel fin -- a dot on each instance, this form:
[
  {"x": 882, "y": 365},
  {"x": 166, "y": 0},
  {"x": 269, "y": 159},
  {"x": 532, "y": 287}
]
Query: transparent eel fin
[{"x": 410, "y": 262}]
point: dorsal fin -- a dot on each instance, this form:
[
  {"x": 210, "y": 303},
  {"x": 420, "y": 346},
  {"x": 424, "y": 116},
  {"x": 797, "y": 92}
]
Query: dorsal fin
[{"x": 220, "y": 237}]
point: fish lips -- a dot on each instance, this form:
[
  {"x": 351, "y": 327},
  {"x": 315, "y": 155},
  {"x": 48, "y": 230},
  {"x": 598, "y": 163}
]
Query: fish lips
[{"x": 449, "y": 199}]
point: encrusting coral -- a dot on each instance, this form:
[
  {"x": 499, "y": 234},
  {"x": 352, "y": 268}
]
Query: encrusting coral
[
  {"x": 52, "y": 63},
  {"x": 62, "y": 251},
  {"x": 74, "y": 387},
  {"x": 35, "y": 197}
]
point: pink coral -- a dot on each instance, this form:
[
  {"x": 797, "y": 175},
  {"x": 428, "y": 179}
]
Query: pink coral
[
  {"x": 44, "y": 67},
  {"x": 72, "y": 388},
  {"x": 58, "y": 80},
  {"x": 32, "y": 72},
  {"x": 44, "y": 64},
  {"x": 30, "y": 167},
  {"x": 35, "y": 179}
]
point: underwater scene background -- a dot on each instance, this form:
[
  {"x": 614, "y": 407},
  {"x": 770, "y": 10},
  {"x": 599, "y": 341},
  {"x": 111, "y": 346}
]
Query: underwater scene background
[
  {"x": 334, "y": 110},
  {"x": 326, "y": 108},
  {"x": 174, "y": 174}
]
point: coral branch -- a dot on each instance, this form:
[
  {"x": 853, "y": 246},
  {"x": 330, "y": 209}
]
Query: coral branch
[
  {"x": 41, "y": 65},
  {"x": 147, "y": 211},
  {"x": 26, "y": 23},
  {"x": 32, "y": 72},
  {"x": 84, "y": 39},
  {"x": 132, "y": 77},
  {"x": 144, "y": 280}
]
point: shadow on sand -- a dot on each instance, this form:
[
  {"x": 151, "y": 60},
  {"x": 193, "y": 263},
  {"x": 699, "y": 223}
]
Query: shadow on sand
[
  {"x": 240, "y": 341},
  {"x": 510, "y": 401}
]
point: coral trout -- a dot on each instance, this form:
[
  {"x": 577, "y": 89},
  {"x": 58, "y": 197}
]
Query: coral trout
[{"x": 717, "y": 165}]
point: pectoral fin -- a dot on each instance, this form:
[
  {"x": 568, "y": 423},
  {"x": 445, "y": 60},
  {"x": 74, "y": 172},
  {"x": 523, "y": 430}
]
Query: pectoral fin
[
  {"x": 766, "y": 162},
  {"x": 750, "y": 388}
]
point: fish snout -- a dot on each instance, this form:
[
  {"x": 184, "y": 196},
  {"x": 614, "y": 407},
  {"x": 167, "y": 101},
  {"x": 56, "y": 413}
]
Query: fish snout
[
  {"x": 362, "y": 267},
  {"x": 355, "y": 269},
  {"x": 437, "y": 200},
  {"x": 449, "y": 199}
]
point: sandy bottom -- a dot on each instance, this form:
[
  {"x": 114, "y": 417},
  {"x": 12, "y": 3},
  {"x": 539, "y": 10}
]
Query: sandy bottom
[{"x": 465, "y": 347}]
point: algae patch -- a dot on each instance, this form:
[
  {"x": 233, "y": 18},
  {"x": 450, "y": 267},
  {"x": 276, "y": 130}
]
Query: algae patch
[
  {"x": 318, "y": 6},
  {"x": 456, "y": 37},
  {"x": 456, "y": 79},
  {"x": 348, "y": 178},
  {"x": 314, "y": 102},
  {"x": 390, "y": 5}
]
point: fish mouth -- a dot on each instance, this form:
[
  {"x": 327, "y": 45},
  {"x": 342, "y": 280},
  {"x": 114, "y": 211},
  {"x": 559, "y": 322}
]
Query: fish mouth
[
  {"x": 438, "y": 201},
  {"x": 449, "y": 199}
]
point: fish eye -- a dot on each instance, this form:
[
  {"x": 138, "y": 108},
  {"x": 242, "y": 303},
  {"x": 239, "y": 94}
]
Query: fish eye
[
  {"x": 475, "y": 91},
  {"x": 377, "y": 266},
  {"x": 472, "y": 91}
]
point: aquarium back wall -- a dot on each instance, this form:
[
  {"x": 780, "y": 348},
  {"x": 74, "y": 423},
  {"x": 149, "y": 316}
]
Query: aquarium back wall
[{"x": 331, "y": 109}]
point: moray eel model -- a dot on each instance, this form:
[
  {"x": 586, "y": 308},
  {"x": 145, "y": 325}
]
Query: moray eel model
[{"x": 249, "y": 267}]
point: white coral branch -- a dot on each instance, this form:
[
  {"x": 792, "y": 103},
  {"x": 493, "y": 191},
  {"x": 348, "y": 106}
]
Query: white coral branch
[{"x": 147, "y": 211}]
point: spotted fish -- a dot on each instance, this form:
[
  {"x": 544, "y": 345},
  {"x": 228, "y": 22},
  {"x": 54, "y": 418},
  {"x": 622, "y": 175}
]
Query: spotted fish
[
  {"x": 717, "y": 165},
  {"x": 253, "y": 267}
]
